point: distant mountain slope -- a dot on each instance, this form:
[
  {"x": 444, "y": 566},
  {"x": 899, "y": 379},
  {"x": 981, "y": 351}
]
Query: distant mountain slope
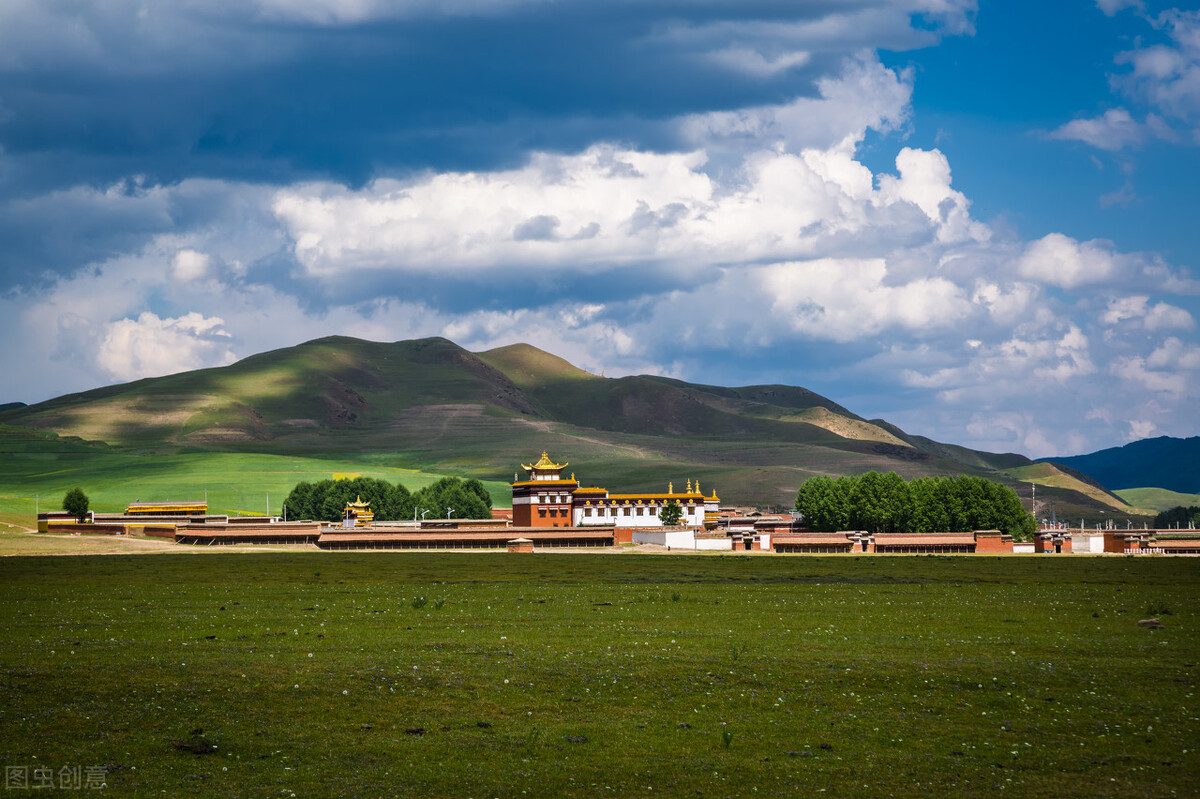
[
  {"x": 1163, "y": 462},
  {"x": 431, "y": 404},
  {"x": 1158, "y": 499},
  {"x": 1056, "y": 475}
]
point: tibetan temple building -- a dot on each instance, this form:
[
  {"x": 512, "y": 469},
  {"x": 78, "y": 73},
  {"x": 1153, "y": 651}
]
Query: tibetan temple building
[
  {"x": 357, "y": 514},
  {"x": 547, "y": 499}
]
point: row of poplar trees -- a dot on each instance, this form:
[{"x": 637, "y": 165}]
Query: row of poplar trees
[
  {"x": 326, "y": 500},
  {"x": 885, "y": 503}
]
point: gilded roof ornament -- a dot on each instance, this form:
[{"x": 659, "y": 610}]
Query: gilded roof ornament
[{"x": 544, "y": 463}]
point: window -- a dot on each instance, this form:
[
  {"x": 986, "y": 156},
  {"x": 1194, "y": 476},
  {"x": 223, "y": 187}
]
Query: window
[
  {"x": 639, "y": 513},
  {"x": 625, "y": 511},
  {"x": 587, "y": 511}
]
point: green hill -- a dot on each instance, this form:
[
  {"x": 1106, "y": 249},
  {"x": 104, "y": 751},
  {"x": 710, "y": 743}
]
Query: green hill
[
  {"x": 431, "y": 405},
  {"x": 1158, "y": 499}
]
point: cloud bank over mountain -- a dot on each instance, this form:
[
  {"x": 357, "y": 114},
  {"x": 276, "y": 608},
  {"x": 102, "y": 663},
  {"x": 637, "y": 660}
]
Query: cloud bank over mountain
[{"x": 717, "y": 191}]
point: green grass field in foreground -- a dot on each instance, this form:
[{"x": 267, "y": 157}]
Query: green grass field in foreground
[
  {"x": 234, "y": 481},
  {"x": 326, "y": 674}
]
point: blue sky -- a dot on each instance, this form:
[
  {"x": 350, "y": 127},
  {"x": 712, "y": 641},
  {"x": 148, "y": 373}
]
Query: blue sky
[{"x": 973, "y": 220}]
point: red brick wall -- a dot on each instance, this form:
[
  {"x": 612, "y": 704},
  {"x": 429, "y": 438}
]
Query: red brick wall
[{"x": 992, "y": 544}]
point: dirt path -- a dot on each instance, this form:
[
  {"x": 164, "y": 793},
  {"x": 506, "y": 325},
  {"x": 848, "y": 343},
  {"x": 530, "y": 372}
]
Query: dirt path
[{"x": 548, "y": 427}]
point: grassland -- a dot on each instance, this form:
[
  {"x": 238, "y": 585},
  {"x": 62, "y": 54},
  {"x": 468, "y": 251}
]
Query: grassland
[
  {"x": 233, "y": 482},
  {"x": 1158, "y": 499},
  {"x": 371, "y": 674}
]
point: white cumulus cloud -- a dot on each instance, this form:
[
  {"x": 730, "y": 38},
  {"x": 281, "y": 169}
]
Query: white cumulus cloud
[{"x": 149, "y": 346}]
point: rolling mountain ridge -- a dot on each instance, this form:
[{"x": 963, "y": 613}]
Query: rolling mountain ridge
[
  {"x": 1163, "y": 462},
  {"x": 433, "y": 404}
]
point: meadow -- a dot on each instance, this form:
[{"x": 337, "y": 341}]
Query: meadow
[
  {"x": 1157, "y": 499},
  {"x": 472, "y": 675},
  {"x": 35, "y": 473}
]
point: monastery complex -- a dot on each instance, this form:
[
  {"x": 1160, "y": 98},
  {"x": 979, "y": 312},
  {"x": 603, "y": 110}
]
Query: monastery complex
[
  {"x": 552, "y": 511},
  {"x": 546, "y": 499}
]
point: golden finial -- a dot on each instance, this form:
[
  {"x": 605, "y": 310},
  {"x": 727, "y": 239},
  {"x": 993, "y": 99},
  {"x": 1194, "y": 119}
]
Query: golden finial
[
  {"x": 670, "y": 488},
  {"x": 697, "y": 486},
  {"x": 572, "y": 477},
  {"x": 689, "y": 486}
]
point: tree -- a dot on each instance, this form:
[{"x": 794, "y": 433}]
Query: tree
[
  {"x": 465, "y": 499},
  {"x": 1178, "y": 516},
  {"x": 886, "y": 503},
  {"x": 671, "y": 514},
  {"x": 326, "y": 500},
  {"x": 76, "y": 503}
]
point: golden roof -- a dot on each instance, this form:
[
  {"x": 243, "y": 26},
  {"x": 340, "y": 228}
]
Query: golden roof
[
  {"x": 358, "y": 503},
  {"x": 688, "y": 497},
  {"x": 544, "y": 463}
]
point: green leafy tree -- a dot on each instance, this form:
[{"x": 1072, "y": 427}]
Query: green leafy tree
[
  {"x": 868, "y": 503},
  {"x": 464, "y": 499},
  {"x": 897, "y": 503},
  {"x": 76, "y": 503},
  {"x": 824, "y": 503},
  {"x": 1178, "y": 516},
  {"x": 886, "y": 503},
  {"x": 326, "y": 500},
  {"x": 671, "y": 514}
]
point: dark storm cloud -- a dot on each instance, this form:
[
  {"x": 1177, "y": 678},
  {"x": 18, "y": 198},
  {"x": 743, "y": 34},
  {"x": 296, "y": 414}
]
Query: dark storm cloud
[{"x": 262, "y": 99}]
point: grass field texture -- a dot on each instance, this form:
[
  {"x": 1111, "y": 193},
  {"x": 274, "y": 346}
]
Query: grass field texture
[
  {"x": 1158, "y": 499},
  {"x": 234, "y": 482},
  {"x": 498, "y": 675}
]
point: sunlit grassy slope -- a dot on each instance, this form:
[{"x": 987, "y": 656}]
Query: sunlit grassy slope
[
  {"x": 1054, "y": 476},
  {"x": 35, "y": 471},
  {"x": 433, "y": 406},
  {"x": 1158, "y": 499}
]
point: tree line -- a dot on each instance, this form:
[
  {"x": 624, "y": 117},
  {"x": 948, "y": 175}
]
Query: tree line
[
  {"x": 1178, "y": 516},
  {"x": 326, "y": 500},
  {"x": 885, "y": 503}
]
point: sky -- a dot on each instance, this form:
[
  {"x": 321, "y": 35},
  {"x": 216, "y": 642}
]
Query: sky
[{"x": 976, "y": 220}]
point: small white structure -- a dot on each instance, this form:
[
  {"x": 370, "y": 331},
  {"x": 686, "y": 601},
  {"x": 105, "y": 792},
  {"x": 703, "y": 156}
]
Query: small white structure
[{"x": 670, "y": 537}]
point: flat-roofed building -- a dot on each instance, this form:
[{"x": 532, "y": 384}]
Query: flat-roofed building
[
  {"x": 166, "y": 509},
  {"x": 924, "y": 543}
]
